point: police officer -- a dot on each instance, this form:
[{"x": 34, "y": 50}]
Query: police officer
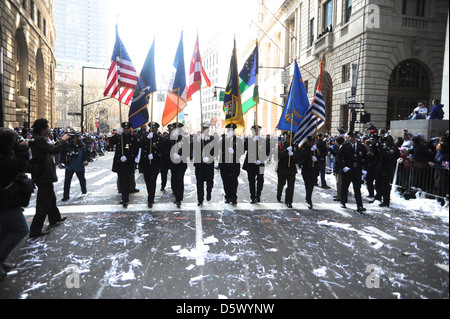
[
  {"x": 151, "y": 151},
  {"x": 76, "y": 159},
  {"x": 386, "y": 161},
  {"x": 254, "y": 162},
  {"x": 203, "y": 156},
  {"x": 178, "y": 161},
  {"x": 288, "y": 156},
  {"x": 352, "y": 156},
  {"x": 310, "y": 167},
  {"x": 229, "y": 166},
  {"x": 124, "y": 159},
  {"x": 165, "y": 161}
]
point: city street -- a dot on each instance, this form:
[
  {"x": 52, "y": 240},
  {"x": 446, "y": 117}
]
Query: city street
[{"x": 221, "y": 251}]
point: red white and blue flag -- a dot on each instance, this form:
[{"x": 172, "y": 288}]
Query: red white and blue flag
[{"x": 122, "y": 76}]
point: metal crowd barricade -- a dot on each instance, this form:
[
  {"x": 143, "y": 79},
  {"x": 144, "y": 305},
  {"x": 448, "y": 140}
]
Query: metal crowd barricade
[{"x": 413, "y": 177}]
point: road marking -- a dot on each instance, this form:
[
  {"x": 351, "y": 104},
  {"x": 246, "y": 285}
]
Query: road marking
[
  {"x": 442, "y": 266},
  {"x": 200, "y": 258},
  {"x": 82, "y": 209},
  {"x": 379, "y": 232}
]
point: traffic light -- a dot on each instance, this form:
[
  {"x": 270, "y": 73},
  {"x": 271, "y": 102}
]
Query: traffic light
[
  {"x": 365, "y": 117},
  {"x": 215, "y": 95}
]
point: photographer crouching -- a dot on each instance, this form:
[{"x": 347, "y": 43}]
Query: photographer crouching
[
  {"x": 44, "y": 175},
  {"x": 14, "y": 159}
]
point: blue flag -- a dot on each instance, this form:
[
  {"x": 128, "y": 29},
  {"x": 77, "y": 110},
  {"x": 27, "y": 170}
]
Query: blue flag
[
  {"x": 146, "y": 85},
  {"x": 296, "y": 105}
]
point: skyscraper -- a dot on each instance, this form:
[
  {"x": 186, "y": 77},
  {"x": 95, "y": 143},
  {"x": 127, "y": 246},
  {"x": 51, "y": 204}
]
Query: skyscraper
[{"x": 82, "y": 28}]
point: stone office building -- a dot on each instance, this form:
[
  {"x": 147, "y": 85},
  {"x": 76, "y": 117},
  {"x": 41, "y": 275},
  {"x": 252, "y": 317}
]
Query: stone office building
[
  {"x": 27, "y": 36},
  {"x": 398, "y": 45}
]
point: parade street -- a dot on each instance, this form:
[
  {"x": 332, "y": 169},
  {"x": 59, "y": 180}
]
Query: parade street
[{"x": 224, "y": 251}]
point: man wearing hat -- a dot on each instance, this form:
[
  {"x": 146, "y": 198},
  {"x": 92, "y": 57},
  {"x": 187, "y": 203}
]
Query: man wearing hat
[
  {"x": 288, "y": 156},
  {"x": 76, "y": 159},
  {"x": 203, "y": 156},
  {"x": 352, "y": 156},
  {"x": 124, "y": 159},
  {"x": 178, "y": 164},
  {"x": 151, "y": 151},
  {"x": 229, "y": 166},
  {"x": 258, "y": 150},
  {"x": 310, "y": 168},
  {"x": 165, "y": 160}
]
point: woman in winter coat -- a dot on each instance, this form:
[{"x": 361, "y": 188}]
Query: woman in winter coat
[{"x": 14, "y": 158}]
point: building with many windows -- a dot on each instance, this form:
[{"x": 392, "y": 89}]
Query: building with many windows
[
  {"x": 27, "y": 62},
  {"x": 397, "y": 46}
]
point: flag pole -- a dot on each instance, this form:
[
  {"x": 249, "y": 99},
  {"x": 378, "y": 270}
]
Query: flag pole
[
  {"x": 292, "y": 123},
  {"x": 151, "y": 128}
]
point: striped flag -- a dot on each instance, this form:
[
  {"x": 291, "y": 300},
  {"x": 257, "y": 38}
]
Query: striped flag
[
  {"x": 196, "y": 72},
  {"x": 122, "y": 76},
  {"x": 315, "y": 117},
  {"x": 249, "y": 82}
]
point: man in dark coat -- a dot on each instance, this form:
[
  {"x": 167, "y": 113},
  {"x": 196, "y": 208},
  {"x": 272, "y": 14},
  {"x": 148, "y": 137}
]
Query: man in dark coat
[
  {"x": 229, "y": 166},
  {"x": 321, "y": 155},
  {"x": 151, "y": 152},
  {"x": 386, "y": 161},
  {"x": 288, "y": 156},
  {"x": 258, "y": 150},
  {"x": 310, "y": 168},
  {"x": 352, "y": 156},
  {"x": 203, "y": 156},
  {"x": 76, "y": 159},
  {"x": 44, "y": 177},
  {"x": 178, "y": 161},
  {"x": 124, "y": 159}
]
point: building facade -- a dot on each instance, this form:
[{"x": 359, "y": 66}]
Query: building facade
[
  {"x": 398, "y": 47},
  {"x": 27, "y": 40}
]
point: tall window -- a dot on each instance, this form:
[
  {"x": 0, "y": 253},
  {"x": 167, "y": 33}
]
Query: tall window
[
  {"x": 348, "y": 10},
  {"x": 413, "y": 8},
  {"x": 312, "y": 27},
  {"x": 327, "y": 14}
]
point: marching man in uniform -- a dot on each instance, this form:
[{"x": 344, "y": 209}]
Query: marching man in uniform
[
  {"x": 124, "y": 157},
  {"x": 254, "y": 162},
  {"x": 288, "y": 156},
  {"x": 352, "y": 156},
  {"x": 203, "y": 156},
  {"x": 151, "y": 152},
  {"x": 230, "y": 167}
]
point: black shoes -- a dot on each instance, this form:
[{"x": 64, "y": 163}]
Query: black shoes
[
  {"x": 310, "y": 205},
  {"x": 361, "y": 209},
  {"x": 65, "y": 199},
  {"x": 208, "y": 197},
  {"x": 343, "y": 206},
  {"x": 39, "y": 234},
  {"x": 289, "y": 205}
]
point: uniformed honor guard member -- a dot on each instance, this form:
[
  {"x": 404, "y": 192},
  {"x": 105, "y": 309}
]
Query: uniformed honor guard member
[
  {"x": 310, "y": 168},
  {"x": 165, "y": 161},
  {"x": 352, "y": 156},
  {"x": 204, "y": 164},
  {"x": 178, "y": 162},
  {"x": 124, "y": 159},
  {"x": 258, "y": 150},
  {"x": 151, "y": 151},
  {"x": 288, "y": 156},
  {"x": 229, "y": 166}
]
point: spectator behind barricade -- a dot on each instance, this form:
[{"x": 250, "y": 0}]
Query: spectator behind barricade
[
  {"x": 437, "y": 112},
  {"x": 14, "y": 159},
  {"x": 420, "y": 112},
  {"x": 440, "y": 162},
  {"x": 407, "y": 143}
]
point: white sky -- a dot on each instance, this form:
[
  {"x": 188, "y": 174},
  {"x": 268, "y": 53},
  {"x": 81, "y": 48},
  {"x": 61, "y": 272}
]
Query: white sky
[{"x": 140, "y": 21}]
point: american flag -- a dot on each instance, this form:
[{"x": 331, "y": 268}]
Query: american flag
[
  {"x": 314, "y": 119},
  {"x": 122, "y": 76}
]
